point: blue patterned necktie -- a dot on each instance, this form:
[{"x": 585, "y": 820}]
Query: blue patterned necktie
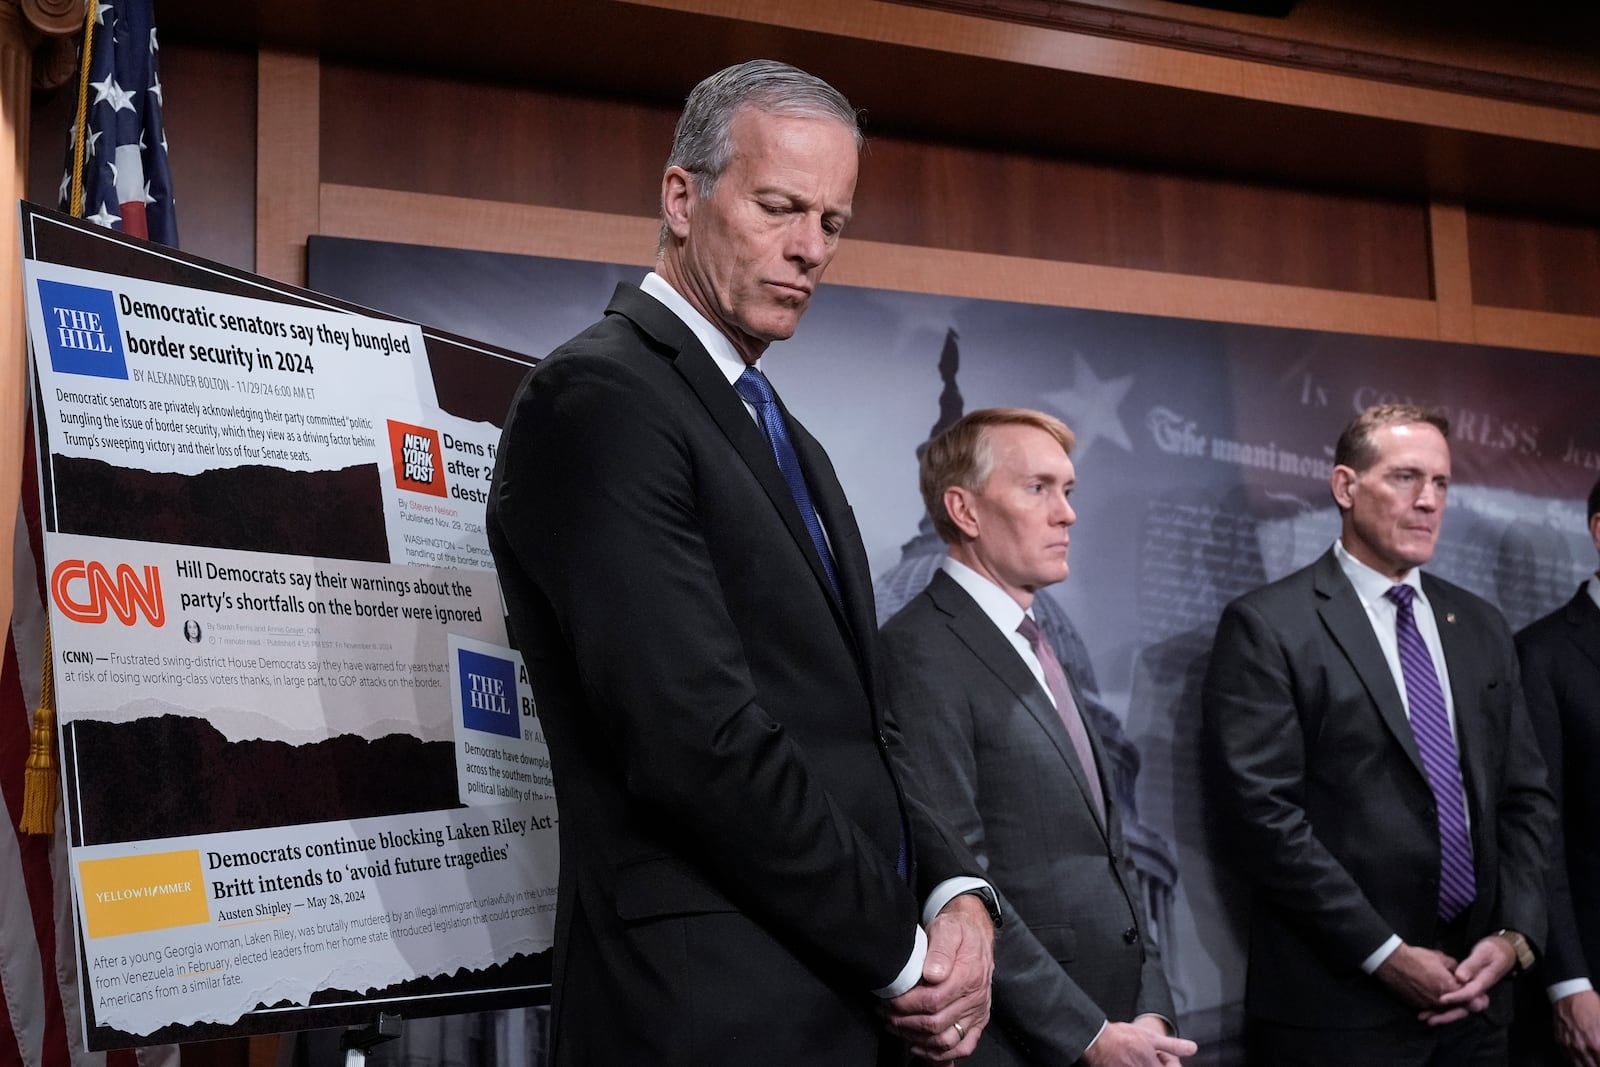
[
  {"x": 1430, "y": 723},
  {"x": 754, "y": 387}
]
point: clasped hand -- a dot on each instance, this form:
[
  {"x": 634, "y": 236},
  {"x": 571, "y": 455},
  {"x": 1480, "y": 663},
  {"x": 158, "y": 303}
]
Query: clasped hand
[
  {"x": 942, "y": 1017},
  {"x": 1446, "y": 990}
]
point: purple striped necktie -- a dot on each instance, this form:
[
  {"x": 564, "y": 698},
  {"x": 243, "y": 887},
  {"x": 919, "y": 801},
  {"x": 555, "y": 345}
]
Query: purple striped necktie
[{"x": 1430, "y": 723}]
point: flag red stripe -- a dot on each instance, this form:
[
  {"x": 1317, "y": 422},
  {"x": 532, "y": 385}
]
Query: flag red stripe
[{"x": 133, "y": 220}]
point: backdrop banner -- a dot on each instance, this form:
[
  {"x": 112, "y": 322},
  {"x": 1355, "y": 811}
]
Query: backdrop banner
[{"x": 1203, "y": 457}]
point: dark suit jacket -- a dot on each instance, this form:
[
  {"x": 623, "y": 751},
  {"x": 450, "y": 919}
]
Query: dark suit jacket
[
  {"x": 1320, "y": 778},
  {"x": 729, "y": 818},
  {"x": 1560, "y": 657},
  {"x": 992, "y": 757}
]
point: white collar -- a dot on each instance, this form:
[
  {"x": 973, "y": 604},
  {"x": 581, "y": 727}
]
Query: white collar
[
  {"x": 996, "y": 603},
  {"x": 728, "y": 361},
  {"x": 1372, "y": 585}
]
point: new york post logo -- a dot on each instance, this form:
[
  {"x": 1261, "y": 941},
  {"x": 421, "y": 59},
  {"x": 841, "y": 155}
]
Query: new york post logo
[
  {"x": 418, "y": 459},
  {"x": 488, "y": 693},
  {"x": 80, "y": 326},
  {"x": 85, "y": 591}
]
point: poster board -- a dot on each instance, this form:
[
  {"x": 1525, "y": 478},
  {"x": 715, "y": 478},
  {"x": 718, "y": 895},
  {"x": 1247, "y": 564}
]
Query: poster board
[{"x": 303, "y": 774}]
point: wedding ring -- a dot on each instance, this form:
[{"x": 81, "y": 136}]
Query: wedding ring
[{"x": 961, "y": 1031}]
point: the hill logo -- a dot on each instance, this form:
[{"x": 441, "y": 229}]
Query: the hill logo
[
  {"x": 85, "y": 591},
  {"x": 488, "y": 693},
  {"x": 80, "y": 326},
  {"x": 418, "y": 459}
]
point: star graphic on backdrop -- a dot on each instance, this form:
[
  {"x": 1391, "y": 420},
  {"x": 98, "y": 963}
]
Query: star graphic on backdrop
[
  {"x": 103, "y": 217},
  {"x": 1089, "y": 406},
  {"x": 113, "y": 94}
]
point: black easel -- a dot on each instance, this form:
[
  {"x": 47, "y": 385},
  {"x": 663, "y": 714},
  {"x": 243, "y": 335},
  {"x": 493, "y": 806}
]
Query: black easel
[{"x": 360, "y": 1040}]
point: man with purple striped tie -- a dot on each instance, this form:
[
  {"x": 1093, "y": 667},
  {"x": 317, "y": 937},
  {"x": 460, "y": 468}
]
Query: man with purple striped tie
[{"x": 1376, "y": 766}]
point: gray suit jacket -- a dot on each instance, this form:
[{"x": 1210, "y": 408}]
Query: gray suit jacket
[
  {"x": 1322, "y": 788},
  {"x": 990, "y": 754}
]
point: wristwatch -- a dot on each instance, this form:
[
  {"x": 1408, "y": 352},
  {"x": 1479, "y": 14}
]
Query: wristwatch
[
  {"x": 1520, "y": 946},
  {"x": 990, "y": 902}
]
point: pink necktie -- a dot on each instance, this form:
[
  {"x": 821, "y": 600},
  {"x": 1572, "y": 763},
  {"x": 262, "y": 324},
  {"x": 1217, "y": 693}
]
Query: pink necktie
[{"x": 1066, "y": 707}]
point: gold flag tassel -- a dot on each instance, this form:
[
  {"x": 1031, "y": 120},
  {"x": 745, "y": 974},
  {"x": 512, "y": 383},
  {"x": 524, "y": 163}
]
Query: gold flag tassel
[
  {"x": 39, "y": 776},
  {"x": 80, "y": 125}
]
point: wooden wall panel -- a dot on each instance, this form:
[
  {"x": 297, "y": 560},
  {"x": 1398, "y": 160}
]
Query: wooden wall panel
[
  {"x": 1009, "y": 204},
  {"x": 288, "y": 161},
  {"x": 1535, "y": 264},
  {"x": 49, "y": 120},
  {"x": 506, "y": 145},
  {"x": 391, "y": 130},
  {"x": 518, "y": 146},
  {"x": 211, "y": 140}
]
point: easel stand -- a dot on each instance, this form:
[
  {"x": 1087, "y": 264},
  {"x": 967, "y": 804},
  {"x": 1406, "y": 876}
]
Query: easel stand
[{"x": 360, "y": 1040}]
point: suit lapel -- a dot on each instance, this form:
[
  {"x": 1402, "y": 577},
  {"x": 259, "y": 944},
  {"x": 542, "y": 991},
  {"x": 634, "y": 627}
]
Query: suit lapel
[
  {"x": 695, "y": 365},
  {"x": 994, "y": 650},
  {"x": 1461, "y": 658},
  {"x": 1347, "y": 622},
  {"x": 844, "y": 536}
]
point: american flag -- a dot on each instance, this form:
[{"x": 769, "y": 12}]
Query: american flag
[
  {"x": 117, "y": 173},
  {"x": 124, "y": 184}
]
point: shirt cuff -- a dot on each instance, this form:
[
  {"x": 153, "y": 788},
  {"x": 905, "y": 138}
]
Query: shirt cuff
[
  {"x": 1562, "y": 990},
  {"x": 1385, "y": 950},
  {"x": 910, "y": 974},
  {"x": 942, "y": 894},
  {"x": 1095, "y": 1038},
  {"x": 948, "y": 890}
]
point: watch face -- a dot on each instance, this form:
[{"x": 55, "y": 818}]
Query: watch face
[{"x": 1519, "y": 946}]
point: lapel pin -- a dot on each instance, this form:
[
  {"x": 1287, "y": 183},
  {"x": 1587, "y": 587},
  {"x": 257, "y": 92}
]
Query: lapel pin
[{"x": 1449, "y": 616}]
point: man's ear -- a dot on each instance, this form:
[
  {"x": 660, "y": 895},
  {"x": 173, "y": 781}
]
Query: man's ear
[
  {"x": 1342, "y": 484},
  {"x": 1594, "y": 528},
  {"x": 677, "y": 200},
  {"x": 958, "y": 504}
]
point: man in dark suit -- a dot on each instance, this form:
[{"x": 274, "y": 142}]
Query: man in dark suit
[
  {"x": 743, "y": 880},
  {"x": 991, "y": 727},
  {"x": 1560, "y": 657},
  {"x": 1377, "y": 769}
]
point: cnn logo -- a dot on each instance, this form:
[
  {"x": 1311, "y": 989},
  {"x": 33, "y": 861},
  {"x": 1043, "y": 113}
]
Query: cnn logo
[{"x": 85, "y": 591}]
